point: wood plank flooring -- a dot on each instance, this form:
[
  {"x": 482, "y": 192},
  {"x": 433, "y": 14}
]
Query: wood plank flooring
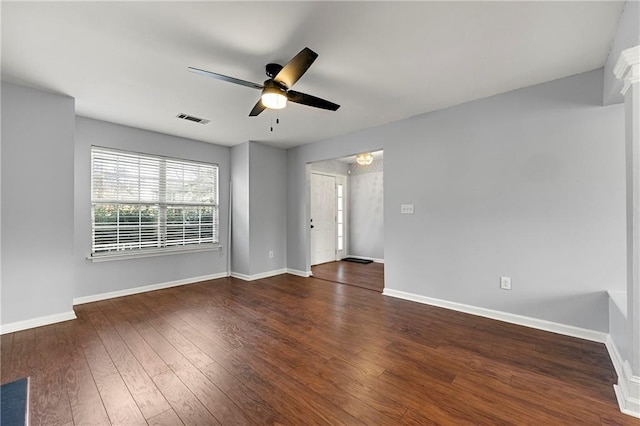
[
  {"x": 369, "y": 276},
  {"x": 301, "y": 351}
]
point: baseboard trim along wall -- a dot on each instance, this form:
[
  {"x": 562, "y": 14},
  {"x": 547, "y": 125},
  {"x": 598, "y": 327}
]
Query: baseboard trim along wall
[
  {"x": 299, "y": 273},
  {"x": 146, "y": 288},
  {"x": 296, "y": 272},
  {"x": 36, "y": 322},
  {"x": 628, "y": 384},
  {"x": 567, "y": 330},
  {"x": 259, "y": 276}
]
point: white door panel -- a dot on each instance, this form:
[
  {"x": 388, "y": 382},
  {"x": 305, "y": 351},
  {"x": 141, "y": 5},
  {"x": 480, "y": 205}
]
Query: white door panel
[{"x": 323, "y": 219}]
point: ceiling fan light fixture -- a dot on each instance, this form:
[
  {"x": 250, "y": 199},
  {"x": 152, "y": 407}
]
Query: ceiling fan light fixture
[
  {"x": 274, "y": 98},
  {"x": 364, "y": 159}
]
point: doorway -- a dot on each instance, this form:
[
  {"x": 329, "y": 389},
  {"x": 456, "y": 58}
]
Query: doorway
[
  {"x": 327, "y": 218},
  {"x": 354, "y": 193}
]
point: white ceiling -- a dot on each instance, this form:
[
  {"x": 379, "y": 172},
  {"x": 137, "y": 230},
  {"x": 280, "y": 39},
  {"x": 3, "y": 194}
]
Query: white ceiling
[{"x": 126, "y": 62}]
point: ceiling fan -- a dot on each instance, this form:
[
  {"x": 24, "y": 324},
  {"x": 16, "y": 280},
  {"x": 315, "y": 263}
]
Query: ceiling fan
[{"x": 276, "y": 90}]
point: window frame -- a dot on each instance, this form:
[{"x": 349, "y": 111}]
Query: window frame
[{"x": 163, "y": 204}]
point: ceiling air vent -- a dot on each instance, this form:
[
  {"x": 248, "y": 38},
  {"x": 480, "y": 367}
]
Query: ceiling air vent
[{"x": 192, "y": 118}]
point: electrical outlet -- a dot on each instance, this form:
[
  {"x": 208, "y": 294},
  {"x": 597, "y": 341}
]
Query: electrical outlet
[
  {"x": 406, "y": 208},
  {"x": 505, "y": 283},
  {"x": 271, "y": 254}
]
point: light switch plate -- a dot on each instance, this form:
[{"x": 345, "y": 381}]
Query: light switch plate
[
  {"x": 406, "y": 208},
  {"x": 505, "y": 283}
]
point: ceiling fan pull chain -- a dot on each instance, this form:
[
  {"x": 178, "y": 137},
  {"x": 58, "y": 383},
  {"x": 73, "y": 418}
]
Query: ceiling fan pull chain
[
  {"x": 272, "y": 122},
  {"x": 277, "y": 117}
]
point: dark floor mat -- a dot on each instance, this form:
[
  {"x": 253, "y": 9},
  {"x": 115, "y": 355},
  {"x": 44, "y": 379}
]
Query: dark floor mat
[
  {"x": 356, "y": 260},
  {"x": 14, "y": 403}
]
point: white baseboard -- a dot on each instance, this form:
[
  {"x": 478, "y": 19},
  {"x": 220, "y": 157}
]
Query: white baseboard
[
  {"x": 567, "y": 330},
  {"x": 146, "y": 288},
  {"x": 36, "y": 322},
  {"x": 375, "y": 260},
  {"x": 299, "y": 273},
  {"x": 259, "y": 276},
  {"x": 628, "y": 387}
]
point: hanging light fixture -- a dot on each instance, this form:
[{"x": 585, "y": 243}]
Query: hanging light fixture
[
  {"x": 274, "y": 97},
  {"x": 364, "y": 159}
]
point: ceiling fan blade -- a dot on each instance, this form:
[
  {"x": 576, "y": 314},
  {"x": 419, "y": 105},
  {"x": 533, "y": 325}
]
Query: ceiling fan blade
[
  {"x": 257, "y": 109},
  {"x": 226, "y": 78},
  {"x": 304, "y": 99},
  {"x": 297, "y": 66}
]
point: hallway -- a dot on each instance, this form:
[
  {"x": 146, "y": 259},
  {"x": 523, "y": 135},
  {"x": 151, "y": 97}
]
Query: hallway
[{"x": 369, "y": 276}]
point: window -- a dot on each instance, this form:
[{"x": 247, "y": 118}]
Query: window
[
  {"x": 144, "y": 204},
  {"x": 340, "y": 217}
]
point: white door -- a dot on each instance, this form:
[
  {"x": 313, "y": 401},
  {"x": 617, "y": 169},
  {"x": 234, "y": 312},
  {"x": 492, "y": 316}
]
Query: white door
[{"x": 323, "y": 219}]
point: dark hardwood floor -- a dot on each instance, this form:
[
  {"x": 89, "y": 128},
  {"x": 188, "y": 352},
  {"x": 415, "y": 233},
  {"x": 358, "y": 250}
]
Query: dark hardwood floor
[
  {"x": 299, "y": 351},
  {"x": 369, "y": 276}
]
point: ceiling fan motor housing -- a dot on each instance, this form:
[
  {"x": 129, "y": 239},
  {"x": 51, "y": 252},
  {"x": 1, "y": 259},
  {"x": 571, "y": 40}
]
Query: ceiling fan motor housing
[{"x": 272, "y": 70}]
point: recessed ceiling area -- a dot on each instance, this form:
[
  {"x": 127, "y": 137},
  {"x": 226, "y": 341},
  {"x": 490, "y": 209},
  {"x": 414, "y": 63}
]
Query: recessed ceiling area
[{"x": 126, "y": 62}]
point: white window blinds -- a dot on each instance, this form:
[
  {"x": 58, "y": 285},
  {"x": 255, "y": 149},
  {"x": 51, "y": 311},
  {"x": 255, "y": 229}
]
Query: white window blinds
[{"x": 148, "y": 203}]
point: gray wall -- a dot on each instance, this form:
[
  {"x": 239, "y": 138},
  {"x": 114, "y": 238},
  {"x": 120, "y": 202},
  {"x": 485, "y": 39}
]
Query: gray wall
[
  {"x": 366, "y": 210},
  {"x": 97, "y": 278},
  {"x": 259, "y": 208},
  {"x": 620, "y": 330},
  {"x": 240, "y": 243},
  {"x": 37, "y": 203},
  {"x": 527, "y": 184},
  {"x": 267, "y": 207}
]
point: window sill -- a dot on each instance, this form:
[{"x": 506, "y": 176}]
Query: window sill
[{"x": 108, "y": 257}]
